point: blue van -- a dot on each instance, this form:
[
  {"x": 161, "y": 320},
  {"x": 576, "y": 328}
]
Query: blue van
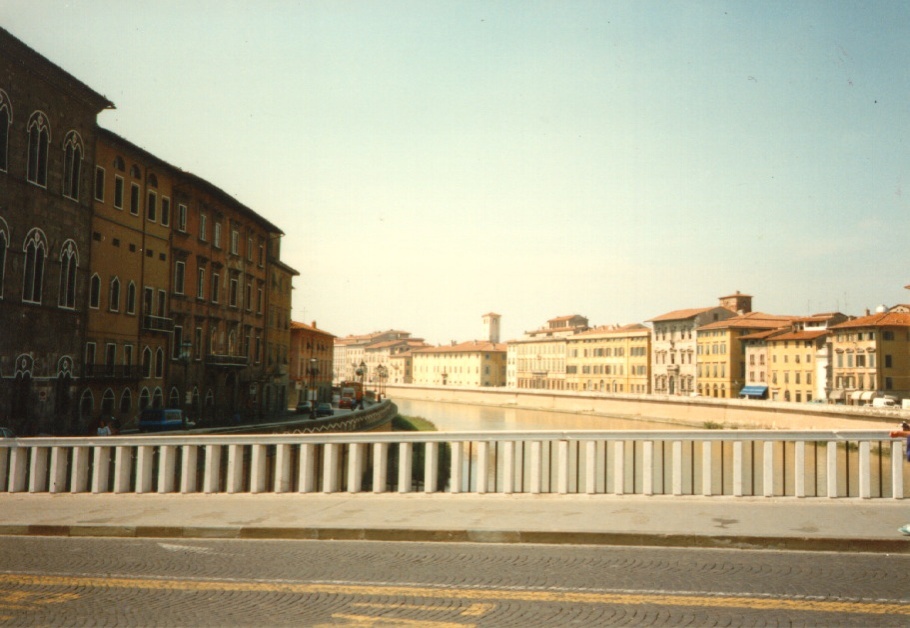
[{"x": 162, "y": 419}]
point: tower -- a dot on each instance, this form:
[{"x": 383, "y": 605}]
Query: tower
[{"x": 491, "y": 327}]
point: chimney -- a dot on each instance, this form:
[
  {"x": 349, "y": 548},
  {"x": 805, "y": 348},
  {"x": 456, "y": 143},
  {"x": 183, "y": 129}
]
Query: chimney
[{"x": 314, "y": 325}]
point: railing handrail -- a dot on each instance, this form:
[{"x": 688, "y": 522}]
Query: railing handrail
[{"x": 454, "y": 437}]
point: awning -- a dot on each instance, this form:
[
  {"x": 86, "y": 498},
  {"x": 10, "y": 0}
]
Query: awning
[
  {"x": 837, "y": 394},
  {"x": 856, "y": 394},
  {"x": 867, "y": 396},
  {"x": 753, "y": 391}
]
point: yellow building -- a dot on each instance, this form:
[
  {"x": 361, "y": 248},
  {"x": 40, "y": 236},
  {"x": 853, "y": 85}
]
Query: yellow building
[
  {"x": 871, "y": 357},
  {"x": 610, "y": 359},
  {"x": 538, "y": 360},
  {"x": 720, "y": 357},
  {"x": 470, "y": 364}
]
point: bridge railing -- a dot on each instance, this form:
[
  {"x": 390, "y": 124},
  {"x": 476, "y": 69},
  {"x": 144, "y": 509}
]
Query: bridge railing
[{"x": 769, "y": 463}]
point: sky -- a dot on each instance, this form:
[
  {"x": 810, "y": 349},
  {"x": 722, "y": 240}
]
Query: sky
[{"x": 433, "y": 161}]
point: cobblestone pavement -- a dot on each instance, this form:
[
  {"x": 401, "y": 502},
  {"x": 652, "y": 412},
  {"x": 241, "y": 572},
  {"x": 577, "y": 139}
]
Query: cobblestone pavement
[{"x": 106, "y": 582}]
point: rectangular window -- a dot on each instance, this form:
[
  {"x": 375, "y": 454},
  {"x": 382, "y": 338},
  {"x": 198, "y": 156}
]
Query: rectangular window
[
  {"x": 118, "y": 192},
  {"x": 165, "y": 211},
  {"x": 234, "y": 289},
  {"x": 110, "y": 354},
  {"x": 197, "y": 347},
  {"x": 249, "y": 297},
  {"x": 203, "y": 227},
  {"x": 179, "y": 277},
  {"x": 235, "y": 242},
  {"x": 134, "y": 199},
  {"x": 217, "y": 239},
  {"x": 181, "y": 217},
  {"x": 90, "y": 353},
  {"x": 151, "y": 209},
  {"x": 215, "y": 286},
  {"x": 128, "y": 355},
  {"x": 99, "y": 183},
  {"x": 259, "y": 300},
  {"x": 261, "y": 255},
  {"x": 887, "y": 361},
  {"x": 200, "y": 283},
  {"x": 249, "y": 249},
  {"x": 178, "y": 342}
]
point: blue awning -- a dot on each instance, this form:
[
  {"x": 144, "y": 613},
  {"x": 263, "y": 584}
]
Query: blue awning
[{"x": 753, "y": 391}]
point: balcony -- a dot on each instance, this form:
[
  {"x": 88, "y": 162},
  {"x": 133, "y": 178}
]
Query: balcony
[
  {"x": 227, "y": 361},
  {"x": 157, "y": 323},
  {"x": 112, "y": 371}
]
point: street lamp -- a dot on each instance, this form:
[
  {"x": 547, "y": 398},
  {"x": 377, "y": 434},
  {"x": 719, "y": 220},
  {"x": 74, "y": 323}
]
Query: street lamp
[
  {"x": 381, "y": 372},
  {"x": 185, "y": 353},
  {"x": 311, "y": 381}
]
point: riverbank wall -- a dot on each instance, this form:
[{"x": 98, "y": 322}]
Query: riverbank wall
[{"x": 692, "y": 411}]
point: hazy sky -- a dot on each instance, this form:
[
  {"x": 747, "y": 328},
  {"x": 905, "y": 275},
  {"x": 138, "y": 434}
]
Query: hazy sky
[{"x": 434, "y": 161}]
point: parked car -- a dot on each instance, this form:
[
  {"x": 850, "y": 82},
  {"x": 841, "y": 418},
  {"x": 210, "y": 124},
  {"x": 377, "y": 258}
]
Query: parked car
[
  {"x": 162, "y": 419},
  {"x": 6, "y": 432},
  {"x": 304, "y": 407},
  {"x": 324, "y": 409},
  {"x": 345, "y": 402}
]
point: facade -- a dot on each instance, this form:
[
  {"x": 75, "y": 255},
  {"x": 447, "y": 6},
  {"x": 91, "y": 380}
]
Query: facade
[
  {"x": 720, "y": 356},
  {"x": 477, "y": 363},
  {"x": 871, "y": 357},
  {"x": 126, "y": 357},
  {"x": 47, "y": 152},
  {"x": 674, "y": 346},
  {"x": 538, "y": 360},
  {"x": 351, "y": 354},
  {"x": 610, "y": 359},
  {"x": 311, "y": 359}
]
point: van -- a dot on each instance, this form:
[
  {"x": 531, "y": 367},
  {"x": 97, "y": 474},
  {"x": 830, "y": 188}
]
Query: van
[
  {"x": 884, "y": 402},
  {"x": 162, "y": 419}
]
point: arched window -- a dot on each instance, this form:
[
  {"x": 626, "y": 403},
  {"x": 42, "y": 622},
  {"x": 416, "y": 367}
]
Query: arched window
[
  {"x": 115, "y": 295},
  {"x": 144, "y": 399},
  {"x": 72, "y": 164},
  {"x": 126, "y": 401},
  {"x": 173, "y": 398},
  {"x": 86, "y": 405},
  {"x": 147, "y": 363},
  {"x": 94, "y": 292},
  {"x": 39, "y": 138},
  {"x": 157, "y": 399},
  {"x": 131, "y": 298},
  {"x": 107, "y": 403},
  {"x": 35, "y": 248},
  {"x": 69, "y": 260},
  {"x": 6, "y": 120},
  {"x": 159, "y": 363},
  {"x": 119, "y": 164},
  {"x": 4, "y": 245}
]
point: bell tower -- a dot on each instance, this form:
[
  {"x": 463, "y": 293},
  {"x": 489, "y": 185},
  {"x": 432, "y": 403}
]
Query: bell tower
[{"x": 491, "y": 327}]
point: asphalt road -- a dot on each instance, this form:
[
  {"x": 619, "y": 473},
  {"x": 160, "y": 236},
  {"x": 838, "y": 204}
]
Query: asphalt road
[{"x": 105, "y": 582}]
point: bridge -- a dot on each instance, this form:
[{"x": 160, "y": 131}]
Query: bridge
[{"x": 773, "y": 476}]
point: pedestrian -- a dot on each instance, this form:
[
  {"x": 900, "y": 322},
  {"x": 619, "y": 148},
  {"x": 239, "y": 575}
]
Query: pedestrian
[
  {"x": 103, "y": 428},
  {"x": 904, "y": 432}
]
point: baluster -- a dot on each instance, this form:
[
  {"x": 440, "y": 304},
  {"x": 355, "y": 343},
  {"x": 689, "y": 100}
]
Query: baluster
[
  {"x": 235, "y": 469},
  {"x": 832, "y": 469},
  {"x": 590, "y": 467},
  {"x": 562, "y": 470},
  {"x": 897, "y": 469},
  {"x": 306, "y": 470},
  {"x": 619, "y": 467},
  {"x": 259, "y": 473},
  {"x": 144, "y": 456},
  {"x": 355, "y": 467},
  {"x": 329, "y": 468},
  {"x": 58, "y": 470},
  {"x": 430, "y": 467},
  {"x": 167, "y": 463},
  {"x": 508, "y": 467},
  {"x": 647, "y": 467},
  {"x": 188, "y": 468},
  {"x": 282, "y": 468},
  {"x": 707, "y": 468},
  {"x": 677, "y": 467},
  {"x": 80, "y": 479},
  {"x": 799, "y": 464},
  {"x": 37, "y": 481},
  {"x": 212, "y": 479},
  {"x": 536, "y": 465},
  {"x": 737, "y": 468},
  {"x": 865, "y": 470},
  {"x": 101, "y": 470},
  {"x": 768, "y": 469},
  {"x": 380, "y": 466},
  {"x": 123, "y": 463},
  {"x": 455, "y": 473}
]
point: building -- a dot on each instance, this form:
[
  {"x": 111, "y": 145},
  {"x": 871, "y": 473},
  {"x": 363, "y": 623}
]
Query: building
[
  {"x": 47, "y": 151},
  {"x": 129, "y": 328},
  {"x": 720, "y": 355},
  {"x": 351, "y": 354},
  {"x": 674, "y": 344},
  {"x": 472, "y": 364},
  {"x": 311, "y": 359},
  {"x": 610, "y": 359},
  {"x": 871, "y": 357},
  {"x": 538, "y": 359}
]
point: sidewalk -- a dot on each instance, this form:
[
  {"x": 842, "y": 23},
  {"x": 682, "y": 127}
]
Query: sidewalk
[{"x": 722, "y": 522}]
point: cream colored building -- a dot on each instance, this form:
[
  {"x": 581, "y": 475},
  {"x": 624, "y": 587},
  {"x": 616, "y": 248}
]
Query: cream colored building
[
  {"x": 473, "y": 364},
  {"x": 538, "y": 360},
  {"x": 610, "y": 359}
]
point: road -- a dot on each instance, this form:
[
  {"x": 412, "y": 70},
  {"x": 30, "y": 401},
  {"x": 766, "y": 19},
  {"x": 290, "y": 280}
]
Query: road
[{"x": 67, "y": 582}]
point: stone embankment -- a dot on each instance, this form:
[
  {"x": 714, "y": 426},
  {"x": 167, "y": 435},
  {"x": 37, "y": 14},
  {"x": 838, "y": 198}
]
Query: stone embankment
[{"x": 691, "y": 411}]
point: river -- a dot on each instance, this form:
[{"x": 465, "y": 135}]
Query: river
[{"x": 462, "y": 417}]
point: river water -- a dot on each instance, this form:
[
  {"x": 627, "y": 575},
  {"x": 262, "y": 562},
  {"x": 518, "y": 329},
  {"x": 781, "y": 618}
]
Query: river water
[{"x": 461, "y": 417}]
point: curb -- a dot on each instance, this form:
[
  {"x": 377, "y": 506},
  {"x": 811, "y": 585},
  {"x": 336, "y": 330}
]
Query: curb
[{"x": 811, "y": 544}]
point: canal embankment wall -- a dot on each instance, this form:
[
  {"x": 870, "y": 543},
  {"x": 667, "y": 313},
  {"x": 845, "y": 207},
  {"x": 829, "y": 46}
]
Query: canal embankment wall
[{"x": 692, "y": 411}]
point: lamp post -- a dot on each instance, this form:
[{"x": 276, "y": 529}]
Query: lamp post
[
  {"x": 381, "y": 373},
  {"x": 185, "y": 353},
  {"x": 311, "y": 380}
]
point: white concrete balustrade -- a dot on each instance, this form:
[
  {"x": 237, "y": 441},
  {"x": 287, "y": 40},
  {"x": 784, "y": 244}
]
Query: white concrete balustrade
[{"x": 843, "y": 463}]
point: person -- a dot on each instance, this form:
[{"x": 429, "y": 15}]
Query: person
[
  {"x": 904, "y": 432},
  {"x": 103, "y": 428}
]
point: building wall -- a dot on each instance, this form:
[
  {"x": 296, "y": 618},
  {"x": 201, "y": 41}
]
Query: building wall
[
  {"x": 442, "y": 367},
  {"x": 40, "y": 348},
  {"x": 609, "y": 361},
  {"x": 310, "y": 348},
  {"x": 793, "y": 369}
]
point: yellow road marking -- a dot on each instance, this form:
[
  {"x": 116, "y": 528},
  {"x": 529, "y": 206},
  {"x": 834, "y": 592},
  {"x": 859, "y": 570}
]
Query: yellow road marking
[
  {"x": 474, "y": 610},
  {"x": 484, "y": 595},
  {"x": 365, "y": 621}
]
